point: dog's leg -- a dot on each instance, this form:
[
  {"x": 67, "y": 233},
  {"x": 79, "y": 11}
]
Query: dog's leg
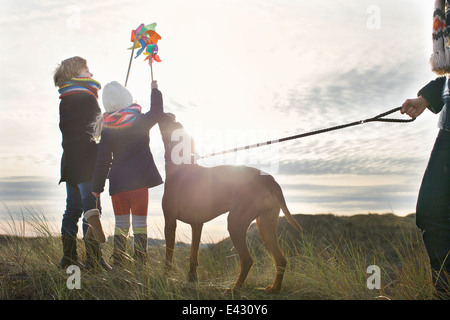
[
  {"x": 267, "y": 229},
  {"x": 237, "y": 227},
  {"x": 196, "y": 235},
  {"x": 169, "y": 233}
]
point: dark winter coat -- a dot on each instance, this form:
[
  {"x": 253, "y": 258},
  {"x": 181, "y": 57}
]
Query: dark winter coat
[
  {"x": 432, "y": 92},
  {"x": 125, "y": 154},
  {"x": 77, "y": 112},
  {"x": 437, "y": 93}
]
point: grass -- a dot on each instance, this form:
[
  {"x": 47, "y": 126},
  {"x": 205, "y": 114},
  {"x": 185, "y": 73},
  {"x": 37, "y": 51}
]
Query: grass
[{"x": 329, "y": 261}]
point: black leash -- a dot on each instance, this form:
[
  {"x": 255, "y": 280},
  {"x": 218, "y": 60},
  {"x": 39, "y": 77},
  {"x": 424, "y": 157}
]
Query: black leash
[{"x": 378, "y": 118}]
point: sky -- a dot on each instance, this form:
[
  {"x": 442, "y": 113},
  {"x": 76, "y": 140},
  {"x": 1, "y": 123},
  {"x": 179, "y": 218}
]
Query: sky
[{"x": 234, "y": 72}]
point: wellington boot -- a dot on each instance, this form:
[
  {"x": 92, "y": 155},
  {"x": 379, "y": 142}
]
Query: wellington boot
[
  {"x": 441, "y": 281},
  {"x": 140, "y": 248},
  {"x": 120, "y": 251},
  {"x": 94, "y": 258},
  {"x": 70, "y": 256}
]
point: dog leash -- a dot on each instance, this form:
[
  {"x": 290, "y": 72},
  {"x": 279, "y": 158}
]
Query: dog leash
[{"x": 378, "y": 118}]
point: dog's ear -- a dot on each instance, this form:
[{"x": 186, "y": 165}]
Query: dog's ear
[
  {"x": 171, "y": 117},
  {"x": 167, "y": 123},
  {"x": 166, "y": 118}
]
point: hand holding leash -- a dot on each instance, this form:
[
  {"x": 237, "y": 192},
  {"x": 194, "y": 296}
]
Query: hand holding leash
[{"x": 414, "y": 107}]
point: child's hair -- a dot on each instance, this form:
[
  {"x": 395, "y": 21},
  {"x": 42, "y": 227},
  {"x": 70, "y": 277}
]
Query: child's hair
[
  {"x": 97, "y": 127},
  {"x": 68, "y": 69}
]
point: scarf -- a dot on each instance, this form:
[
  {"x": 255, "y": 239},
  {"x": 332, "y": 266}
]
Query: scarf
[
  {"x": 122, "y": 118},
  {"x": 78, "y": 85},
  {"x": 440, "y": 58}
]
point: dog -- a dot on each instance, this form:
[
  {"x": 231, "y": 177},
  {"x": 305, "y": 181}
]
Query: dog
[{"x": 194, "y": 195}]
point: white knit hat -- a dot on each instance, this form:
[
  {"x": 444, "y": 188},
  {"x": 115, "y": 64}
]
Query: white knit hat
[
  {"x": 116, "y": 97},
  {"x": 440, "y": 58}
]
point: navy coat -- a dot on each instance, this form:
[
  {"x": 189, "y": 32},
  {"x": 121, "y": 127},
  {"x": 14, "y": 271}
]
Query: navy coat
[{"x": 124, "y": 155}]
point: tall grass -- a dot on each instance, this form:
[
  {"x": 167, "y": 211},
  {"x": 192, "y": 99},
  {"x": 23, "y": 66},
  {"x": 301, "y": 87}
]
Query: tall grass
[{"x": 316, "y": 269}]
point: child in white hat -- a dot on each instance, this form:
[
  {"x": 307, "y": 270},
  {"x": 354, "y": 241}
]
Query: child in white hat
[{"x": 125, "y": 158}]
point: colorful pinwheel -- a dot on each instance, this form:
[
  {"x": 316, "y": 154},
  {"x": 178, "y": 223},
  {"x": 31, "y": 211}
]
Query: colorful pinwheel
[{"x": 145, "y": 38}]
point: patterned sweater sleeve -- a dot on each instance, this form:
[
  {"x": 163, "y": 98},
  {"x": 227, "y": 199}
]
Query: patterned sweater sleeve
[{"x": 432, "y": 92}]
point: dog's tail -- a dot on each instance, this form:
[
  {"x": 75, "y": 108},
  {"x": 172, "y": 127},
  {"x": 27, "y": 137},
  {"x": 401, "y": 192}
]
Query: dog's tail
[{"x": 276, "y": 190}]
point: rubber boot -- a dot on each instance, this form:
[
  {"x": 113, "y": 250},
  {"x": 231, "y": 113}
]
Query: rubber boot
[
  {"x": 441, "y": 281},
  {"x": 70, "y": 256},
  {"x": 120, "y": 249},
  {"x": 94, "y": 258},
  {"x": 140, "y": 248}
]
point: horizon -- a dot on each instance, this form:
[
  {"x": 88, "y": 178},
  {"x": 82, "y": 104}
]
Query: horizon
[{"x": 37, "y": 226}]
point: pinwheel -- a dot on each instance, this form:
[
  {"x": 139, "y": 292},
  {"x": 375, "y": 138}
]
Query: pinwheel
[{"x": 145, "y": 38}]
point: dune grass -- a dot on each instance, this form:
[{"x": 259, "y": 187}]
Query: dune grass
[{"x": 318, "y": 268}]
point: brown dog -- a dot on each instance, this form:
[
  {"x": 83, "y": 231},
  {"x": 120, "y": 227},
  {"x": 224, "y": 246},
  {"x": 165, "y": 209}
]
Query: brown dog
[{"x": 195, "y": 194}]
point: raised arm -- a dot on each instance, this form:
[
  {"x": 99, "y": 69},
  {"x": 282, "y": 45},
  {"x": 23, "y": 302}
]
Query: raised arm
[{"x": 156, "y": 105}]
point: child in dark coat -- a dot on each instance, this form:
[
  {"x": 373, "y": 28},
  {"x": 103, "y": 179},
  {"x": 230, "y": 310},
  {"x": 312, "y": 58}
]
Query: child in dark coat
[
  {"x": 77, "y": 110},
  {"x": 125, "y": 158}
]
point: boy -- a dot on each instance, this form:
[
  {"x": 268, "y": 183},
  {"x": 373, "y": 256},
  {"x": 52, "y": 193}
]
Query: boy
[{"x": 78, "y": 109}]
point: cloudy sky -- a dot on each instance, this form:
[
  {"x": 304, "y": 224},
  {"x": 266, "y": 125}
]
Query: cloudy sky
[{"x": 234, "y": 72}]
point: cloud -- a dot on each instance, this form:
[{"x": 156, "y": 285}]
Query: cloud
[
  {"x": 352, "y": 94},
  {"x": 347, "y": 164}
]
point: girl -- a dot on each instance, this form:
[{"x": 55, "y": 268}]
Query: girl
[
  {"x": 77, "y": 109},
  {"x": 125, "y": 157}
]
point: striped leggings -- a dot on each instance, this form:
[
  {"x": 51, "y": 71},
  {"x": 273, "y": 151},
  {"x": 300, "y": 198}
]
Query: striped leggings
[{"x": 130, "y": 203}]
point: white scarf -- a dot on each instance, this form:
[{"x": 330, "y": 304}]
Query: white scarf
[{"x": 440, "y": 58}]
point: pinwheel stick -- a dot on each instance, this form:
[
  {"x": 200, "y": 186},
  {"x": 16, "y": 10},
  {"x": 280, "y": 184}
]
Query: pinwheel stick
[
  {"x": 131, "y": 60},
  {"x": 151, "y": 66}
]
